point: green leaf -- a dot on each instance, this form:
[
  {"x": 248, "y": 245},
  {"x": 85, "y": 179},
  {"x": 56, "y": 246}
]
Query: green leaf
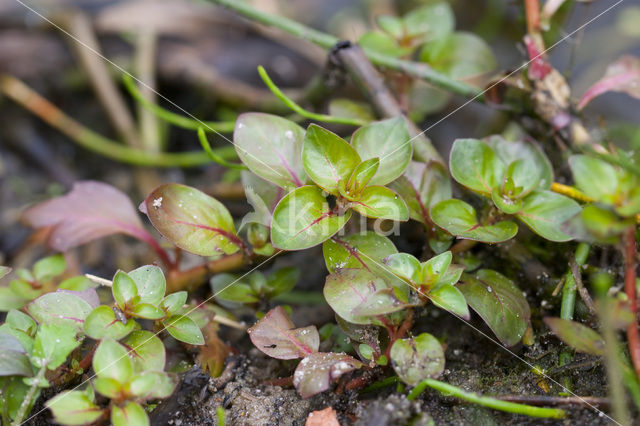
[
  {"x": 132, "y": 414},
  {"x": 74, "y": 408},
  {"x": 316, "y": 371},
  {"x": 545, "y": 212},
  {"x": 23, "y": 289},
  {"x": 512, "y": 151},
  {"x": 580, "y": 337},
  {"x": 422, "y": 186},
  {"x": 146, "y": 351},
  {"x": 49, "y": 267},
  {"x": 505, "y": 203},
  {"x": 391, "y": 25},
  {"x": 417, "y": 358},
  {"x": 387, "y": 140},
  {"x": 460, "y": 55},
  {"x": 21, "y": 321},
  {"x": 263, "y": 197},
  {"x": 111, "y": 360},
  {"x": 327, "y": 158},
  {"x": 499, "y": 302},
  {"x": 102, "y": 323},
  {"x": 430, "y": 22},
  {"x": 276, "y": 335},
  {"x": 358, "y": 296},
  {"x": 52, "y": 345},
  {"x": 450, "y": 299},
  {"x": 303, "y": 219},
  {"x": 151, "y": 385},
  {"x": 173, "y": 302},
  {"x": 271, "y": 147},
  {"x": 358, "y": 251},
  {"x": 383, "y": 43},
  {"x": 184, "y": 329},
  {"x": 475, "y": 165},
  {"x": 79, "y": 283},
  {"x": 147, "y": 311},
  {"x": 227, "y": 287},
  {"x": 60, "y": 308},
  {"x": 10, "y": 300},
  {"x": 13, "y": 358},
  {"x": 521, "y": 177},
  {"x": 434, "y": 267},
  {"x": 282, "y": 280},
  {"x": 405, "y": 266},
  {"x": 381, "y": 202},
  {"x": 459, "y": 218},
  {"x": 108, "y": 387},
  {"x": 596, "y": 178},
  {"x": 342, "y": 107},
  {"x": 192, "y": 220},
  {"x": 362, "y": 175},
  {"x": 150, "y": 282},
  {"x": 603, "y": 223},
  {"x": 124, "y": 289}
]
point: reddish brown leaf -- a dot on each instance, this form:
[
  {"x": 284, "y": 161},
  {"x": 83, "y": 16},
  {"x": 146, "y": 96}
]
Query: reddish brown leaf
[
  {"x": 90, "y": 211},
  {"x": 276, "y": 335},
  {"x": 621, "y": 76},
  {"x": 326, "y": 417},
  {"x": 317, "y": 370}
]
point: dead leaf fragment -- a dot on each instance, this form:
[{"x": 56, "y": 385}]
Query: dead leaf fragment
[{"x": 326, "y": 417}]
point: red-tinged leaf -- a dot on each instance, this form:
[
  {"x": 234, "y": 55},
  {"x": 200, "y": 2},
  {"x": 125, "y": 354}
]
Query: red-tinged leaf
[
  {"x": 90, "y": 211},
  {"x": 276, "y": 335},
  {"x": 578, "y": 336},
  {"x": 317, "y": 370},
  {"x": 326, "y": 417},
  {"x": 192, "y": 220},
  {"x": 539, "y": 67},
  {"x": 621, "y": 76}
]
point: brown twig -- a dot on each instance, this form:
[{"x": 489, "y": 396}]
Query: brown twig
[
  {"x": 285, "y": 382},
  {"x": 192, "y": 278},
  {"x": 582, "y": 291},
  {"x": 80, "y": 27},
  {"x": 372, "y": 84},
  {"x": 629, "y": 241}
]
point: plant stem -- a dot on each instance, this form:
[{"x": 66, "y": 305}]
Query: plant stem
[
  {"x": 28, "y": 399},
  {"x": 204, "y": 142},
  {"x": 301, "y": 111},
  {"x": 497, "y": 404},
  {"x": 630, "y": 288},
  {"x": 87, "y": 138},
  {"x": 171, "y": 117},
  {"x": 327, "y": 41},
  {"x": 570, "y": 192}
]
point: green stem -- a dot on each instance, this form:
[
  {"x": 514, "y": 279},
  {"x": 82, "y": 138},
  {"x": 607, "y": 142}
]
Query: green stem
[
  {"x": 570, "y": 286},
  {"x": 87, "y": 138},
  {"x": 202, "y": 136},
  {"x": 301, "y": 111},
  {"x": 328, "y": 41},
  {"x": 28, "y": 399},
  {"x": 173, "y": 118},
  {"x": 509, "y": 407},
  {"x": 380, "y": 384}
]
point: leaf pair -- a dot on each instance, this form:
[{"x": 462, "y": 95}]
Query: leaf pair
[
  {"x": 276, "y": 335},
  {"x": 141, "y": 294},
  {"x": 254, "y": 287},
  {"x": 516, "y": 177},
  {"x": 400, "y": 36},
  {"x": 434, "y": 279},
  {"x": 354, "y": 173}
]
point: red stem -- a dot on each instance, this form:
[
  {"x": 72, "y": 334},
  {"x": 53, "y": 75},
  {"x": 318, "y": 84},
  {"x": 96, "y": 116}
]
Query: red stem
[
  {"x": 630, "y": 288},
  {"x": 532, "y": 11}
]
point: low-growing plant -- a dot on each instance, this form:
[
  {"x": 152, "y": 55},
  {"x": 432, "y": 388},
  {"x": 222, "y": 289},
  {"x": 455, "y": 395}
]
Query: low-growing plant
[{"x": 311, "y": 187}]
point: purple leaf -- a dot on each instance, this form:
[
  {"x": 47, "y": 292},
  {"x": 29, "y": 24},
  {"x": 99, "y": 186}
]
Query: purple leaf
[
  {"x": 621, "y": 76},
  {"x": 90, "y": 211},
  {"x": 317, "y": 370},
  {"x": 539, "y": 67},
  {"x": 276, "y": 335}
]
